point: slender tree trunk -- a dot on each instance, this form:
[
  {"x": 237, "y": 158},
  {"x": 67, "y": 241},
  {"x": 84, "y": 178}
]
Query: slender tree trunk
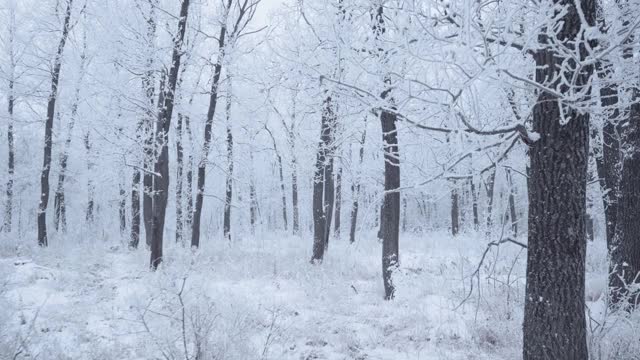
[
  {"x": 8, "y": 210},
  {"x": 122, "y": 209},
  {"x": 229, "y": 182},
  {"x": 179, "y": 180},
  {"x": 322, "y": 182},
  {"x": 148, "y": 84},
  {"x": 490, "y": 187},
  {"x": 624, "y": 192},
  {"x": 91, "y": 189},
  {"x": 135, "y": 210},
  {"x": 609, "y": 160},
  {"x": 512, "y": 204},
  {"x": 625, "y": 252},
  {"x": 455, "y": 210},
  {"x": 294, "y": 170},
  {"x": 161, "y": 181},
  {"x": 189, "y": 192},
  {"x": 338, "y": 204},
  {"x": 474, "y": 200},
  {"x": 208, "y": 131},
  {"x": 355, "y": 188},
  {"x": 48, "y": 132},
  {"x": 60, "y": 208},
  {"x": 554, "y": 319},
  {"x": 253, "y": 200}
]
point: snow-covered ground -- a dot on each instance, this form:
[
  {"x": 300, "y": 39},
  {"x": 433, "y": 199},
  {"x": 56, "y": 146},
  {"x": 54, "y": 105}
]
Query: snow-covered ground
[{"x": 260, "y": 298}]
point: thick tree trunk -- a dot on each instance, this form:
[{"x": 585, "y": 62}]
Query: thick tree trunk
[
  {"x": 48, "y": 131},
  {"x": 208, "y": 131},
  {"x": 161, "y": 181},
  {"x": 355, "y": 188},
  {"x": 554, "y": 320},
  {"x": 455, "y": 209},
  {"x": 229, "y": 182},
  {"x": 390, "y": 211}
]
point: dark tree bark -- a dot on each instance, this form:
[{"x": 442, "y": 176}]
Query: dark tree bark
[
  {"x": 208, "y": 130},
  {"x": 179, "y": 180},
  {"x": 554, "y": 320},
  {"x": 91, "y": 189},
  {"x": 161, "y": 181},
  {"x": 513, "y": 216},
  {"x": 8, "y": 210},
  {"x": 135, "y": 210},
  {"x": 338, "y": 203},
  {"x": 323, "y": 182},
  {"x": 189, "y": 191},
  {"x": 355, "y": 188},
  {"x": 122, "y": 209},
  {"x": 390, "y": 210},
  {"x": 474, "y": 202},
  {"x": 455, "y": 209},
  {"x": 48, "y": 130},
  {"x": 229, "y": 182}
]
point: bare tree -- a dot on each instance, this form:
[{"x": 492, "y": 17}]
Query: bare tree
[
  {"x": 323, "y": 181},
  {"x": 60, "y": 213},
  {"x": 48, "y": 129},
  {"x": 245, "y": 12},
  {"x": 163, "y": 125},
  {"x": 11, "y": 98},
  {"x": 91, "y": 188},
  {"x": 390, "y": 211},
  {"x": 229, "y": 181}
]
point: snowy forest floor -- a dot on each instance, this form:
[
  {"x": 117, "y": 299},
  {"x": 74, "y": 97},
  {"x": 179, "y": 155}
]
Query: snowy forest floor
[{"x": 260, "y": 298}]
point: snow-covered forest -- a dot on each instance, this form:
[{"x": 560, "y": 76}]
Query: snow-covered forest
[{"x": 320, "y": 179}]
